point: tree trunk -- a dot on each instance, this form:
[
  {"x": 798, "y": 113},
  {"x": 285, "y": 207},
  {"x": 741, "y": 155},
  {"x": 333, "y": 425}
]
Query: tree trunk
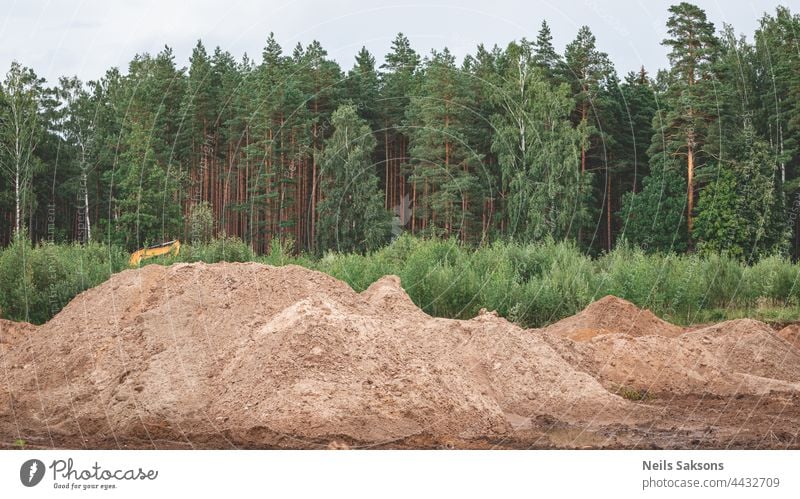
[
  {"x": 86, "y": 207},
  {"x": 16, "y": 201},
  {"x": 413, "y": 206},
  {"x": 690, "y": 187},
  {"x": 584, "y": 114},
  {"x": 386, "y": 165},
  {"x": 313, "y": 193},
  {"x": 608, "y": 209}
]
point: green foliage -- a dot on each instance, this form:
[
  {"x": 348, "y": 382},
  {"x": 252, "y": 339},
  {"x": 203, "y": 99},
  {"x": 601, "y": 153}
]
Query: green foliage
[
  {"x": 148, "y": 210},
  {"x": 37, "y": 281},
  {"x": 774, "y": 278},
  {"x": 443, "y": 163},
  {"x": 201, "y": 223},
  {"x": 352, "y": 216},
  {"x": 718, "y": 226},
  {"x": 633, "y": 394},
  {"x": 219, "y": 249},
  {"x": 281, "y": 252},
  {"x": 519, "y": 141},
  {"x": 16, "y": 281},
  {"x": 22, "y": 98},
  {"x": 532, "y": 284},
  {"x": 654, "y": 218},
  {"x": 517, "y": 151},
  {"x": 742, "y": 212},
  {"x": 538, "y": 151}
]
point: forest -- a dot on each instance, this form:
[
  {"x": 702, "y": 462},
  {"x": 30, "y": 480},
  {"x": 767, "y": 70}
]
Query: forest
[{"x": 514, "y": 143}]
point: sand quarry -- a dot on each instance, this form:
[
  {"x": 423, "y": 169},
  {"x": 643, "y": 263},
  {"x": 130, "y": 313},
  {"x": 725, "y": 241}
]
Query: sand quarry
[{"x": 252, "y": 356}]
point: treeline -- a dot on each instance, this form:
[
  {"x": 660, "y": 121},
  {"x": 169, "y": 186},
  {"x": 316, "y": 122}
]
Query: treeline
[
  {"x": 520, "y": 142},
  {"x": 532, "y": 284}
]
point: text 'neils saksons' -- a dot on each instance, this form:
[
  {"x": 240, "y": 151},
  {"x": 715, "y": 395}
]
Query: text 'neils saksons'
[{"x": 664, "y": 465}]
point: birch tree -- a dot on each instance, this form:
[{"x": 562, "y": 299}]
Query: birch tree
[
  {"x": 20, "y": 130},
  {"x": 78, "y": 128},
  {"x": 538, "y": 151}
]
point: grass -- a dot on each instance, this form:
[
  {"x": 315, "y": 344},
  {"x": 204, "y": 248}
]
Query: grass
[
  {"x": 532, "y": 284},
  {"x": 770, "y": 315},
  {"x": 633, "y": 394}
]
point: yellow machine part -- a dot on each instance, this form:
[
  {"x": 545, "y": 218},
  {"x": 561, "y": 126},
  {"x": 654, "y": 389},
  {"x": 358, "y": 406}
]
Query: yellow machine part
[{"x": 173, "y": 247}]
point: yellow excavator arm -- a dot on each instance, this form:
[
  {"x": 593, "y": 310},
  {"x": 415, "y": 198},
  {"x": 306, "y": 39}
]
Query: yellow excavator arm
[{"x": 173, "y": 247}]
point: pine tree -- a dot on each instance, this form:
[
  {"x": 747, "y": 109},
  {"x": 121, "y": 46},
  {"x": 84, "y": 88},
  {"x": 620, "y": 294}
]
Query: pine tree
[
  {"x": 199, "y": 134},
  {"x": 146, "y": 182},
  {"x": 587, "y": 68},
  {"x": 481, "y": 75},
  {"x": 628, "y": 109},
  {"x": 693, "y": 50},
  {"x": 442, "y": 163},
  {"x": 654, "y": 219},
  {"x": 229, "y": 80},
  {"x": 545, "y": 55},
  {"x": 777, "y": 99},
  {"x": 108, "y": 97},
  {"x": 147, "y": 212},
  {"x": 276, "y": 145},
  {"x": 398, "y": 83},
  {"x": 319, "y": 81},
  {"x": 588, "y": 72},
  {"x": 362, "y": 88},
  {"x": 352, "y": 216}
]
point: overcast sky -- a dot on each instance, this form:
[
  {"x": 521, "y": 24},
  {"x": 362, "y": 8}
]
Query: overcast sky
[{"x": 63, "y": 37}]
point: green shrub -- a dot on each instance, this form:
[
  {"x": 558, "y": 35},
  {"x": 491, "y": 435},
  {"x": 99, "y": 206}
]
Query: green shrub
[
  {"x": 633, "y": 394},
  {"x": 16, "y": 279},
  {"x": 532, "y": 284},
  {"x": 220, "y": 249},
  {"x": 722, "y": 276},
  {"x": 775, "y": 279},
  {"x": 37, "y": 281},
  {"x": 280, "y": 253},
  {"x": 357, "y": 270}
]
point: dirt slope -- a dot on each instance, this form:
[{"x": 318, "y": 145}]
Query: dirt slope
[
  {"x": 14, "y": 332},
  {"x": 247, "y": 352},
  {"x": 247, "y": 355},
  {"x": 612, "y": 315},
  {"x": 791, "y": 334}
]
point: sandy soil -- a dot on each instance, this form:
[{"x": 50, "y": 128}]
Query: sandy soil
[{"x": 252, "y": 356}]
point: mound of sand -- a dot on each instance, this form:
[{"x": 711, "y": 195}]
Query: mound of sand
[
  {"x": 233, "y": 355},
  {"x": 749, "y": 347},
  {"x": 652, "y": 364},
  {"x": 612, "y": 315},
  {"x": 791, "y": 334},
  {"x": 239, "y": 353},
  {"x": 13, "y": 332},
  {"x": 735, "y": 357}
]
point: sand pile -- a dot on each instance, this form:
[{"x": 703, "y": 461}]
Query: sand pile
[
  {"x": 233, "y": 353},
  {"x": 13, "y": 332},
  {"x": 734, "y": 357},
  {"x": 648, "y": 364},
  {"x": 612, "y": 315},
  {"x": 791, "y": 334},
  {"x": 748, "y": 347}
]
